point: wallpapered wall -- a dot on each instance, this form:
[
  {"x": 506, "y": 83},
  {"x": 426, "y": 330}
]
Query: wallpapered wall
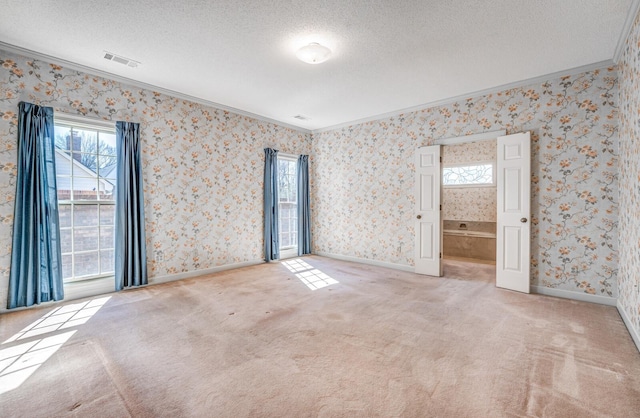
[
  {"x": 469, "y": 203},
  {"x": 363, "y": 188},
  {"x": 203, "y": 167},
  {"x": 629, "y": 275}
]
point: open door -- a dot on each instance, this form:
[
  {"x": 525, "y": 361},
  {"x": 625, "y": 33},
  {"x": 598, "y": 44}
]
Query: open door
[
  {"x": 428, "y": 226},
  {"x": 514, "y": 226}
]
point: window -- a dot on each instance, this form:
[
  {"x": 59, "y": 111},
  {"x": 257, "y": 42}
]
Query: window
[
  {"x": 86, "y": 181},
  {"x": 288, "y": 204},
  {"x": 479, "y": 174}
]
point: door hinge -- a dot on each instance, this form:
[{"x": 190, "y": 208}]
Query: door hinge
[
  {"x": 441, "y": 158},
  {"x": 440, "y": 207},
  {"x": 440, "y": 255}
]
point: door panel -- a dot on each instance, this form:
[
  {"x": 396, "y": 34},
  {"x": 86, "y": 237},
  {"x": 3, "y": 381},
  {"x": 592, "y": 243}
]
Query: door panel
[
  {"x": 513, "y": 228},
  {"x": 428, "y": 226},
  {"x": 427, "y": 196}
]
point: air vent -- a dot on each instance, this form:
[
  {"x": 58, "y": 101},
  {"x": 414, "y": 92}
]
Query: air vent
[
  {"x": 301, "y": 117},
  {"x": 120, "y": 59}
]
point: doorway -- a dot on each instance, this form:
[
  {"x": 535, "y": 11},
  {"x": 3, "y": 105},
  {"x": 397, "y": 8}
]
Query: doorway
[
  {"x": 469, "y": 201},
  {"x": 508, "y": 174}
]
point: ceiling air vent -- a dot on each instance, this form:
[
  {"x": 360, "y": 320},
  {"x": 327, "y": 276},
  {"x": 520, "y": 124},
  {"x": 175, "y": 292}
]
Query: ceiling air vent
[
  {"x": 120, "y": 59},
  {"x": 301, "y": 117}
]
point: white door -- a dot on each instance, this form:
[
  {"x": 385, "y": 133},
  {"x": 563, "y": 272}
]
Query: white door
[
  {"x": 428, "y": 224},
  {"x": 513, "y": 226}
]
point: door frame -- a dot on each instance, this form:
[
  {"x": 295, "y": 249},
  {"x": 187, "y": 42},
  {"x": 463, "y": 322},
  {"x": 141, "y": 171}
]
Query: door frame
[{"x": 484, "y": 136}]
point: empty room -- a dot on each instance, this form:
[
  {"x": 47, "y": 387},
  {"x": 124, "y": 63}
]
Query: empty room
[{"x": 320, "y": 209}]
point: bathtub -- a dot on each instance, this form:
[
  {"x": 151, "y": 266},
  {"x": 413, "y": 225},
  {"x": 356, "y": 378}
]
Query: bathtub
[{"x": 469, "y": 239}]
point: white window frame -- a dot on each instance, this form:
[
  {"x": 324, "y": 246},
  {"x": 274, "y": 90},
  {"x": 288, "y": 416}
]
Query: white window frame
[
  {"x": 80, "y": 123},
  {"x": 290, "y": 251},
  {"x": 468, "y": 185}
]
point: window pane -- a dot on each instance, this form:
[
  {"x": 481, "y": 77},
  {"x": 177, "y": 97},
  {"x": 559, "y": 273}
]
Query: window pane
[
  {"x": 107, "y": 214},
  {"x": 84, "y": 164},
  {"x": 85, "y": 239},
  {"x": 107, "y": 166},
  {"x": 106, "y": 143},
  {"x": 85, "y": 188},
  {"x": 85, "y": 141},
  {"x": 106, "y": 237},
  {"x": 106, "y": 190},
  {"x": 64, "y": 212},
  {"x": 284, "y": 225},
  {"x": 67, "y": 261},
  {"x": 63, "y": 184},
  {"x": 107, "y": 261},
  {"x": 86, "y": 264},
  {"x": 65, "y": 240},
  {"x": 85, "y": 215},
  {"x": 62, "y": 134},
  {"x": 471, "y": 174}
]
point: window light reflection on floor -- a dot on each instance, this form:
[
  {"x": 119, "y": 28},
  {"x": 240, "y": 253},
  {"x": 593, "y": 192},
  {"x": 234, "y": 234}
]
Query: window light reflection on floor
[
  {"x": 312, "y": 277},
  {"x": 19, "y": 361},
  {"x": 60, "y": 318}
]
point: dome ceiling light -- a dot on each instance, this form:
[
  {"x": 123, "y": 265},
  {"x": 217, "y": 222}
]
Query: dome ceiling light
[{"x": 314, "y": 53}]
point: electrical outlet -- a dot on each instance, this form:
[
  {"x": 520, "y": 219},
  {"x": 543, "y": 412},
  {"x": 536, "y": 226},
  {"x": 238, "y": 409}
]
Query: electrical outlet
[{"x": 159, "y": 256}]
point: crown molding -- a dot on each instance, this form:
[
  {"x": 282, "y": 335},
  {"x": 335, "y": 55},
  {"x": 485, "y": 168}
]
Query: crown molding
[
  {"x": 634, "y": 8},
  {"x": 139, "y": 84},
  {"x": 516, "y": 84}
]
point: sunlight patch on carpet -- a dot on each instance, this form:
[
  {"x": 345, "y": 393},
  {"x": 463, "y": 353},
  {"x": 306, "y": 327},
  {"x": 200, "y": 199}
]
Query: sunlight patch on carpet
[
  {"x": 61, "y": 318},
  {"x": 312, "y": 277},
  {"x": 19, "y": 361}
]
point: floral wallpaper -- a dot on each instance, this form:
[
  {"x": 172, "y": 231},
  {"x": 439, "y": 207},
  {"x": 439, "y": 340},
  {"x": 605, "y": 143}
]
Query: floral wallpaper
[
  {"x": 363, "y": 181},
  {"x": 629, "y": 275},
  {"x": 203, "y": 167},
  {"x": 470, "y": 152},
  {"x": 469, "y": 203}
]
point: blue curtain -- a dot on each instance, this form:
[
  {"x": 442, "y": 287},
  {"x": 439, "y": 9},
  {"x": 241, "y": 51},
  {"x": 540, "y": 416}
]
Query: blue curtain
[
  {"x": 36, "y": 261},
  {"x": 304, "y": 211},
  {"x": 130, "y": 246},
  {"x": 271, "y": 240}
]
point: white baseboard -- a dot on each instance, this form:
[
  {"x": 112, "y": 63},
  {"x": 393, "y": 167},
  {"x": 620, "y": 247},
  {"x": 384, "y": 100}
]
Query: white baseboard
[
  {"x": 195, "y": 273},
  {"x": 634, "y": 332},
  {"x": 367, "y": 261},
  {"x": 567, "y": 294}
]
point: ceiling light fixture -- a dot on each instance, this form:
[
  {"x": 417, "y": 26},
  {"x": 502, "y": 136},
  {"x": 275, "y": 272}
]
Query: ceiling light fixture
[{"x": 314, "y": 53}]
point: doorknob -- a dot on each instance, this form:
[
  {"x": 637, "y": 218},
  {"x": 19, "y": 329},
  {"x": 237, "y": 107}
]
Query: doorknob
[
  {"x": 523, "y": 220},
  {"x": 419, "y": 216}
]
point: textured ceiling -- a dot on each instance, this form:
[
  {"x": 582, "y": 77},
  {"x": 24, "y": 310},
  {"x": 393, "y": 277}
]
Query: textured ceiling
[{"x": 388, "y": 55}]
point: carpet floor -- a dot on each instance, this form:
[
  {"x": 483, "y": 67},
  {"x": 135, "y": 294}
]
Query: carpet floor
[{"x": 317, "y": 337}]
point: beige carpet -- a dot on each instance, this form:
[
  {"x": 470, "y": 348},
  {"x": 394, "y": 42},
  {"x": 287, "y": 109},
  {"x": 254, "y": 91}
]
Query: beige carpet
[{"x": 259, "y": 342}]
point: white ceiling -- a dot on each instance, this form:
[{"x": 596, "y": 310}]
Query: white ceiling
[{"x": 387, "y": 55}]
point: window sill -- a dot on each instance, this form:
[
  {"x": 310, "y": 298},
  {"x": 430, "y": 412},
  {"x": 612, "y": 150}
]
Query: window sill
[
  {"x": 86, "y": 288},
  {"x": 288, "y": 253}
]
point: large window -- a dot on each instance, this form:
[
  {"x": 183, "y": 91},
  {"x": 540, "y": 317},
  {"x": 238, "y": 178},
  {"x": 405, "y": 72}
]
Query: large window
[
  {"x": 288, "y": 204},
  {"x": 86, "y": 180}
]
